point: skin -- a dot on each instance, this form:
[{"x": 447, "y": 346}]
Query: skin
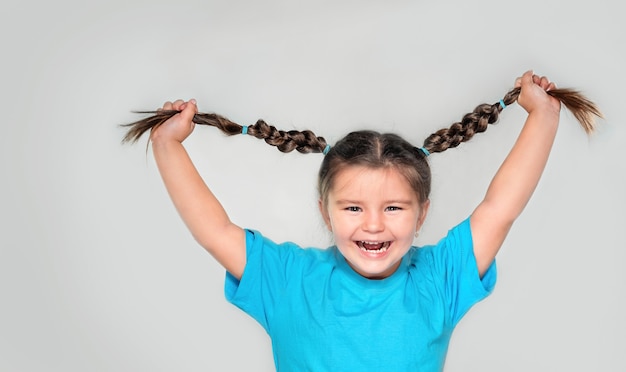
[
  {"x": 518, "y": 176},
  {"x": 506, "y": 197},
  {"x": 373, "y": 205},
  {"x": 199, "y": 208}
]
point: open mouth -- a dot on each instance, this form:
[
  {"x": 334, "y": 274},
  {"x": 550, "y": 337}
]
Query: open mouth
[{"x": 373, "y": 247}]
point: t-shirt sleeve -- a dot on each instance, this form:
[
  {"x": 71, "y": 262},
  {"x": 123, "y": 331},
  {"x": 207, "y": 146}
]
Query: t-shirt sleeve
[
  {"x": 454, "y": 259},
  {"x": 264, "y": 277}
]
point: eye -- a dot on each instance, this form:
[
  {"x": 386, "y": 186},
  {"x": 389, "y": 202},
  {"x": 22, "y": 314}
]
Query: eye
[
  {"x": 353, "y": 209},
  {"x": 393, "y": 208}
]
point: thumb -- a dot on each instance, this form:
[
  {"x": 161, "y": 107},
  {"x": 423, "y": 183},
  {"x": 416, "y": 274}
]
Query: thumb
[
  {"x": 527, "y": 78},
  {"x": 189, "y": 110}
]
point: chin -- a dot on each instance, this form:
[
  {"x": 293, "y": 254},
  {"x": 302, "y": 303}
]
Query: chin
[{"x": 378, "y": 272}]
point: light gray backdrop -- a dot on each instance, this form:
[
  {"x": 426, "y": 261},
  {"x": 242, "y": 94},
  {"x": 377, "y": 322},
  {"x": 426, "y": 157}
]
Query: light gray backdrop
[{"x": 98, "y": 273}]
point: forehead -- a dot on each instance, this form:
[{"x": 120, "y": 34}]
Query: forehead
[{"x": 361, "y": 182}]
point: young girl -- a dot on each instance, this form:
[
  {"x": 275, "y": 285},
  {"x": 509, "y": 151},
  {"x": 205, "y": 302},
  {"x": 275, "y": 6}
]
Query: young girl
[{"x": 372, "y": 302}]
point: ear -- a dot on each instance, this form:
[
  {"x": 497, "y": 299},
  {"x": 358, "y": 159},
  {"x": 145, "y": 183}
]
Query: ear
[
  {"x": 423, "y": 212},
  {"x": 325, "y": 215}
]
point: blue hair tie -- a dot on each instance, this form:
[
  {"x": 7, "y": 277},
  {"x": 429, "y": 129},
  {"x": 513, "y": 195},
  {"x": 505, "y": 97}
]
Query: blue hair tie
[
  {"x": 326, "y": 149},
  {"x": 502, "y": 104},
  {"x": 244, "y": 130},
  {"x": 423, "y": 150}
]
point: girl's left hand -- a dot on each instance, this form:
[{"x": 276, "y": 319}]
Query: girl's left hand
[{"x": 533, "y": 94}]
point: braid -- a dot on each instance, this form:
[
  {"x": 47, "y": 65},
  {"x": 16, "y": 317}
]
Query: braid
[
  {"x": 477, "y": 121},
  {"x": 286, "y": 141},
  {"x": 306, "y": 141}
]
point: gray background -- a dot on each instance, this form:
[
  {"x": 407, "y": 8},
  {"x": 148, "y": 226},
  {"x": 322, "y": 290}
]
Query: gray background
[{"x": 98, "y": 273}]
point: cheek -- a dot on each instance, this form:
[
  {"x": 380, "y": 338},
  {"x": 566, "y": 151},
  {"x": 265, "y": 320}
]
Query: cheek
[
  {"x": 342, "y": 229},
  {"x": 407, "y": 228}
]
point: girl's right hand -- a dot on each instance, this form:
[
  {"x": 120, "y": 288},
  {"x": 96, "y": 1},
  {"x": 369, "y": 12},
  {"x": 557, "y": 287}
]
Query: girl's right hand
[{"x": 179, "y": 126}]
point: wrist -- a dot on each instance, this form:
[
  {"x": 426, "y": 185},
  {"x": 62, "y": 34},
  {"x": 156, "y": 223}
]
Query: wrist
[
  {"x": 160, "y": 143},
  {"x": 159, "y": 139},
  {"x": 548, "y": 106},
  {"x": 542, "y": 122},
  {"x": 547, "y": 112}
]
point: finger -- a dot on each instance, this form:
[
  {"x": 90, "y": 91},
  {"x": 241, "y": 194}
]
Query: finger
[
  {"x": 527, "y": 78},
  {"x": 551, "y": 86},
  {"x": 536, "y": 79},
  {"x": 191, "y": 101},
  {"x": 544, "y": 82},
  {"x": 167, "y": 105},
  {"x": 177, "y": 104},
  {"x": 189, "y": 110},
  {"x": 520, "y": 79}
]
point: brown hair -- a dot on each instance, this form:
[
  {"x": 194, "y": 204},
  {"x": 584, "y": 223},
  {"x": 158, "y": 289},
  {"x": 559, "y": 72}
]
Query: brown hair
[
  {"x": 375, "y": 150},
  {"x": 371, "y": 148},
  {"x": 286, "y": 141},
  {"x": 476, "y": 121}
]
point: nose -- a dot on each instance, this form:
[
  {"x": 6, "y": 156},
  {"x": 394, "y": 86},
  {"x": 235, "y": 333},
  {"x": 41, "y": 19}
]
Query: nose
[{"x": 373, "y": 222}]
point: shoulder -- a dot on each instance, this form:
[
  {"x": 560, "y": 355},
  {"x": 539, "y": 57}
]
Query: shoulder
[
  {"x": 261, "y": 247},
  {"x": 457, "y": 239}
]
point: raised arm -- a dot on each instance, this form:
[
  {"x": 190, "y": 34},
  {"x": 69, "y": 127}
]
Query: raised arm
[
  {"x": 519, "y": 174},
  {"x": 199, "y": 208}
]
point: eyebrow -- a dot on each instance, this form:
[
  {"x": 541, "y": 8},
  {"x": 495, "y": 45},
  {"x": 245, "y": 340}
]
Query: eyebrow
[{"x": 392, "y": 201}]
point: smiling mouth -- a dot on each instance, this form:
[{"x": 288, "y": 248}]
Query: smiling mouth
[{"x": 373, "y": 247}]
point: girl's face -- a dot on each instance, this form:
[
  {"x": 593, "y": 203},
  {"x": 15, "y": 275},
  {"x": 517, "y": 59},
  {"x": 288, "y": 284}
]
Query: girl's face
[{"x": 373, "y": 215}]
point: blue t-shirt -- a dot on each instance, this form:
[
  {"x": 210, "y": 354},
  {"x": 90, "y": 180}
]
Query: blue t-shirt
[{"x": 323, "y": 316}]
